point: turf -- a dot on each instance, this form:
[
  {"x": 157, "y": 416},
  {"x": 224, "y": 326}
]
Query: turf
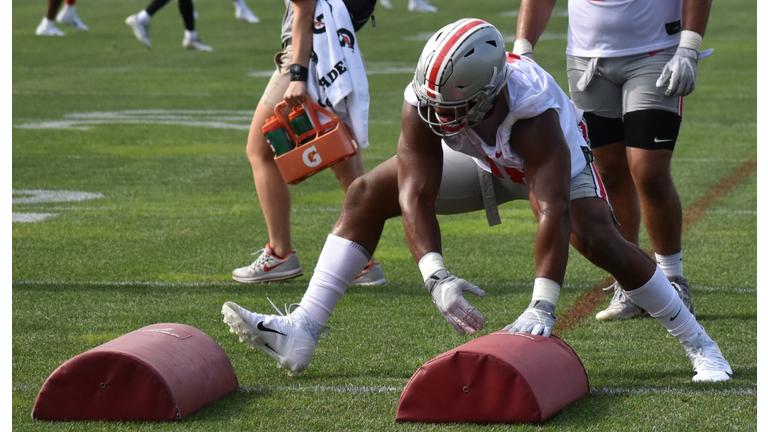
[{"x": 161, "y": 134}]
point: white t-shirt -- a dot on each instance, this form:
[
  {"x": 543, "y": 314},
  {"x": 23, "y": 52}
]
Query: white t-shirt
[
  {"x": 530, "y": 91},
  {"x": 617, "y": 28}
]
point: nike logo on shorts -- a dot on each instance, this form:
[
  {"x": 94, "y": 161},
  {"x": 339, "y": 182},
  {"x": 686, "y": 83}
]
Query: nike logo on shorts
[{"x": 657, "y": 140}]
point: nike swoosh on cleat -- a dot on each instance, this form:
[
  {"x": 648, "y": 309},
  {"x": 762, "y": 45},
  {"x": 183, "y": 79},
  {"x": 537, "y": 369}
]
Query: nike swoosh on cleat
[
  {"x": 267, "y": 345},
  {"x": 670, "y": 320},
  {"x": 261, "y": 327}
]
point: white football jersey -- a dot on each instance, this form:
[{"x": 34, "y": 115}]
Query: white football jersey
[
  {"x": 530, "y": 91},
  {"x": 617, "y": 28}
]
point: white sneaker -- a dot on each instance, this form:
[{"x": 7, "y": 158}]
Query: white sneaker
[
  {"x": 420, "y": 6},
  {"x": 386, "y": 4},
  {"x": 289, "y": 339},
  {"x": 244, "y": 14},
  {"x": 195, "y": 44},
  {"x": 140, "y": 30},
  {"x": 621, "y": 307},
  {"x": 268, "y": 267},
  {"x": 372, "y": 274},
  {"x": 69, "y": 17},
  {"x": 708, "y": 362},
  {"x": 48, "y": 28}
]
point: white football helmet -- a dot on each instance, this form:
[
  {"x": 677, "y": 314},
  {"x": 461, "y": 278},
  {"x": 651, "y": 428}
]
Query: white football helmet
[{"x": 462, "y": 67}]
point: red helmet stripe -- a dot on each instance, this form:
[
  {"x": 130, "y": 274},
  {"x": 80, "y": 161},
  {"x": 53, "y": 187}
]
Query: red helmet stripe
[{"x": 438, "y": 64}]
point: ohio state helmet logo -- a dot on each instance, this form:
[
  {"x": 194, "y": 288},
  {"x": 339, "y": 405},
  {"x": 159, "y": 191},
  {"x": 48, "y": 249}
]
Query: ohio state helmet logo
[{"x": 311, "y": 157}]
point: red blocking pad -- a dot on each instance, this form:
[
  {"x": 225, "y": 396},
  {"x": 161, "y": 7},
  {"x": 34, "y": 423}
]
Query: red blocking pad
[
  {"x": 498, "y": 378},
  {"x": 161, "y": 372}
]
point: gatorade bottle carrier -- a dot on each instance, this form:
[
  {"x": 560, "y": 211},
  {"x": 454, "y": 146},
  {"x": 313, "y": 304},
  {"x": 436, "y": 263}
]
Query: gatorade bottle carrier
[{"x": 331, "y": 145}]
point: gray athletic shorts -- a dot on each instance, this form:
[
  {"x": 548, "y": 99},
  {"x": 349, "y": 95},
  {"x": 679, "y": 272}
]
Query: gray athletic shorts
[
  {"x": 621, "y": 84},
  {"x": 465, "y": 187},
  {"x": 280, "y": 79}
]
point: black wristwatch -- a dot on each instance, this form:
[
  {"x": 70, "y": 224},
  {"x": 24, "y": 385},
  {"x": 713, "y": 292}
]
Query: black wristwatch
[{"x": 299, "y": 72}]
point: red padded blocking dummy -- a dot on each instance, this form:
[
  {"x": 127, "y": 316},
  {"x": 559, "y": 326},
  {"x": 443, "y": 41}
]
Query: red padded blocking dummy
[
  {"x": 498, "y": 378},
  {"x": 161, "y": 372}
]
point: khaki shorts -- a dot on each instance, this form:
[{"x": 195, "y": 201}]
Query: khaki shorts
[
  {"x": 465, "y": 187},
  {"x": 622, "y": 84},
  {"x": 280, "y": 79}
]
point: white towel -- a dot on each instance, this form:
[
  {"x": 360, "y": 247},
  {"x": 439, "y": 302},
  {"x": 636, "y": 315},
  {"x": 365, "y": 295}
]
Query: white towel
[{"x": 337, "y": 76}]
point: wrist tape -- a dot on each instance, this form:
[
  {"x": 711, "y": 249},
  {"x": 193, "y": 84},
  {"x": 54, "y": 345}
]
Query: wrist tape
[
  {"x": 690, "y": 39},
  {"x": 430, "y": 263}
]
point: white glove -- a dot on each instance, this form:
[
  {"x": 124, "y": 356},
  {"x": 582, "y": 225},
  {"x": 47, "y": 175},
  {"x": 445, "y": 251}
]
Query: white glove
[
  {"x": 538, "y": 319},
  {"x": 447, "y": 293},
  {"x": 679, "y": 74}
]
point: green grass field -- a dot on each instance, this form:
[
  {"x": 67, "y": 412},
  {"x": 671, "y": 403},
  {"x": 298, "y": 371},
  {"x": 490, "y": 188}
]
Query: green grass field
[{"x": 156, "y": 141}]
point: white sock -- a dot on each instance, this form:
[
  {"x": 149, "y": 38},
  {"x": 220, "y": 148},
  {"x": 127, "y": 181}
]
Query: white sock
[
  {"x": 671, "y": 265},
  {"x": 661, "y": 301},
  {"x": 143, "y": 17},
  {"x": 190, "y": 34},
  {"x": 340, "y": 262}
]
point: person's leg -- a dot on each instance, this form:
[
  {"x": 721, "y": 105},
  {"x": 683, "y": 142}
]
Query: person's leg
[
  {"x": 369, "y": 202},
  {"x": 47, "y": 26},
  {"x": 187, "y": 10},
  {"x": 52, "y": 8},
  {"x": 645, "y": 284},
  {"x": 274, "y": 195},
  {"x": 291, "y": 339},
  {"x": 652, "y": 124},
  {"x": 349, "y": 170},
  {"x": 651, "y": 169},
  {"x": 607, "y": 140},
  {"x": 155, "y": 5}
]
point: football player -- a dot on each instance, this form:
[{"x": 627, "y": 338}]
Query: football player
[{"x": 480, "y": 127}]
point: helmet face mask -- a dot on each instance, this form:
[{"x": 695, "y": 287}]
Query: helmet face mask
[{"x": 462, "y": 68}]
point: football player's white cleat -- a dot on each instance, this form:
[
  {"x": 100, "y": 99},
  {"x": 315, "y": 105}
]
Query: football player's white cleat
[
  {"x": 69, "y": 17},
  {"x": 386, "y": 4},
  {"x": 195, "y": 44},
  {"x": 621, "y": 307},
  {"x": 708, "y": 362},
  {"x": 48, "y": 28},
  {"x": 289, "y": 339},
  {"x": 243, "y": 13},
  {"x": 140, "y": 30},
  {"x": 420, "y": 6}
]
